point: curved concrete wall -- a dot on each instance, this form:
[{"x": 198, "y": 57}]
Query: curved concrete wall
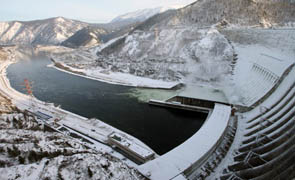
[{"x": 196, "y": 148}]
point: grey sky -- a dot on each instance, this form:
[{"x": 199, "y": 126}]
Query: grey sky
[{"x": 97, "y": 11}]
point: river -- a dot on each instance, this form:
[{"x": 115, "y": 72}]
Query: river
[{"x": 160, "y": 128}]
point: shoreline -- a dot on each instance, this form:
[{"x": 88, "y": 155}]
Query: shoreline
[
  {"x": 64, "y": 68},
  {"x": 94, "y": 128}
]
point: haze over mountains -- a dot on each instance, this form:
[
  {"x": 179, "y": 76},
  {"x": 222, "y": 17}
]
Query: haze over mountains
[
  {"x": 200, "y": 43},
  {"x": 239, "y": 12},
  {"x": 48, "y": 31},
  {"x": 176, "y": 45},
  {"x": 71, "y": 33},
  {"x": 95, "y": 34},
  {"x": 185, "y": 45},
  {"x": 201, "y": 13},
  {"x": 141, "y": 15}
]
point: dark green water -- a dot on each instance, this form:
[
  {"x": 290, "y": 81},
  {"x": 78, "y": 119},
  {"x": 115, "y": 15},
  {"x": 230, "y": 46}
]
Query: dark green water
[{"x": 161, "y": 129}]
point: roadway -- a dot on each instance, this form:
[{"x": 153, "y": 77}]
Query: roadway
[{"x": 84, "y": 127}]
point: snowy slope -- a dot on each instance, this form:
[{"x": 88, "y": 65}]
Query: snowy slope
[
  {"x": 49, "y": 31},
  {"x": 186, "y": 45},
  {"x": 172, "y": 55},
  {"x": 141, "y": 15},
  {"x": 183, "y": 40},
  {"x": 29, "y": 152},
  {"x": 204, "y": 13},
  {"x": 96, "y": 34},
  {"x": 187, "y": 55},
  {"x": 273, "y": 49},
  {"x": 87, "y": 37}
]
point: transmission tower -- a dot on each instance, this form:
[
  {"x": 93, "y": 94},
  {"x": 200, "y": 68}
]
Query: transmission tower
[{"x": 28, "y": 88}]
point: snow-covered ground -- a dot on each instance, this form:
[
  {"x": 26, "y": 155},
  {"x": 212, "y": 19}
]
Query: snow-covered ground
[
  {"x": 172, "y": 164},
  {"x": 276, "y": 96},
  {"x": 27, "y": 152},
  {"x": 274, "y": 59},
  {"x": 192, "y": 56},
  {"x": 157, "y": 59},
  {"x": 81, "y": 124},
  {"x": 121, "y": 78},
  {"x": 51, "y": 49},
  {"x": 87, "y": 59},
  {"x": 272, "y": 50}
]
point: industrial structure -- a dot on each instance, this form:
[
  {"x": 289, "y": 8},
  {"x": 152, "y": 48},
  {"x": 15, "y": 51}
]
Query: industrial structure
[{"x": 252, "y": 139}]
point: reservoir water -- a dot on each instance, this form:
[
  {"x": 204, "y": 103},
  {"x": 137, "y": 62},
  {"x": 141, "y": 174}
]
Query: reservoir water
[{"x": 161, "y": 129}]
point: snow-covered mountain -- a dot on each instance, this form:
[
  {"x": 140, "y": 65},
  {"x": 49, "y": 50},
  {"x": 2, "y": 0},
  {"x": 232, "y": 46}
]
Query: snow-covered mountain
[
  {"x": 94, "y": 34},
  {"x": 182, "y": 43},
  {"x": 87, "y": 37},
  {"x": 204, "y": 13},
  {"x": 48, "y": 31},
  {"x": 186, "y": 45},
  {"x": 141, "y": 15}
]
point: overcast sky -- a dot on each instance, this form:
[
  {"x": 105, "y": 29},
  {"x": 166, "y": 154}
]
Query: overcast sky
[{"x": 96, "y": 11}]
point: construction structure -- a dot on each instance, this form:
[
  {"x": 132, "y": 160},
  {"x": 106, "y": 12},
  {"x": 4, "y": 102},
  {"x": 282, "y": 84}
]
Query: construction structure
[
  {"x": 137, "y": 152},
  {"x": 28, "y": 87},
  {"x": 255, "y": 142},
  {"x": 194, "y": 98}
]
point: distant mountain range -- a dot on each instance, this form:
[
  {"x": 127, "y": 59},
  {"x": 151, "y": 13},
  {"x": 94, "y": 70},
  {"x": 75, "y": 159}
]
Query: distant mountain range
[
  {"x": 94, "y": 34},
  {"x": 48, "y": 31},
  {"x": 202, "y": 13},
  {"x": 141, "y": 15},
  {"x": 71, "y": 33},
  {"x": 206, "y": 13},
  {"x": 178, "y": 43}
]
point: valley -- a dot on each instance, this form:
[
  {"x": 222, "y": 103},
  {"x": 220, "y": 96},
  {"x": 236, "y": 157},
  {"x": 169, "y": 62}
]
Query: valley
[{"x": 93, "y": 85}]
